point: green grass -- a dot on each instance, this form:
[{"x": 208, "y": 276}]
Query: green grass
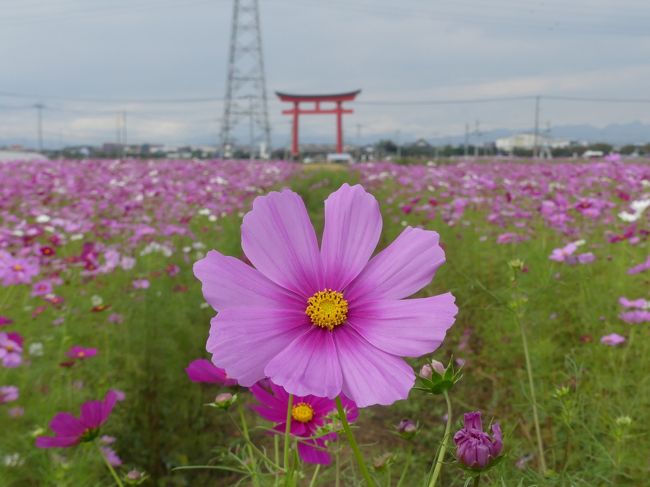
[{"x": 164, "y": 423}]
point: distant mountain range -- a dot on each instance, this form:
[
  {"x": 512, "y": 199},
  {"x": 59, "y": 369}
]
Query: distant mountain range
[{"x": 617, "y": 134}]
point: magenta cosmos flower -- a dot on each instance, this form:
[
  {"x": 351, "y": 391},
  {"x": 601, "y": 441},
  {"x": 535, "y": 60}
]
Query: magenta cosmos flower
[
  {"x": 71, "y": 431},
  {"x": 309, "y": 414},
  {"x": 325, "y": 321},
  {"x": 81, "y": 353},
  {"x": 474, "y": 447},
  {"x": 202, "y": 370}
]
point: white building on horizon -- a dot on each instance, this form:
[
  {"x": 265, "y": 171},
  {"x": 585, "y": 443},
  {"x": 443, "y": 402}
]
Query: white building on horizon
[{"x": 526, "y": 141}]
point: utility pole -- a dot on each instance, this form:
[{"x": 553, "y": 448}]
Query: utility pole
[
  {"x": 466, "y": 150},
  {"x": 124, "y": 141},
  {"x": 39, "y": 127},
  {"x": 477, "y": 133},
  {"x": 399, "y": 144},
  {"x": 251, "y": 129},
  {"x": 536, "y": 136}
]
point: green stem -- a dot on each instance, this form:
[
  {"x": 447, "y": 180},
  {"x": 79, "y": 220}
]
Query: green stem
[
  {"x": 110, "y": 467},
  {"x": 287, "y": 436},
  {"x": 443, "y": 446},
  {"x": 276, "y": 457},
  {"x": 477, "y": 480},
  {"x": 251, "y": 455},
  {"x": 409, "y": 459},
  {"x": 531, "y": 385},
  {"x": 337, "y": 481},
  {"x": 353, "y": 443},
  {"x": 314, "y": 477}
]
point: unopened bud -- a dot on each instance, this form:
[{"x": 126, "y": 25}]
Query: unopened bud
[{"x": 407, "y": 428}]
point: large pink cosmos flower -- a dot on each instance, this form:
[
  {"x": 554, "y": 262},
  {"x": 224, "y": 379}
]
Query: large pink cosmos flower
[
  {"x": 308, "y": 415},
  {"x": 329, "y": 321},
  {"x": 71, "y": 431}
]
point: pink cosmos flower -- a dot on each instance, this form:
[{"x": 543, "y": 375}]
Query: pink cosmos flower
[
  {"x": 11, "y": 349},
  {"x": 115, "y": 318},
  {"x": 202, "y": 370},
  {"x": 8, "y": 394},
  {"x": 561, "y": 254},
  {"x": 635, "y": 317},
  {"x": 140, "y": 284},
  {"x": 81, "y": 353},
  {"x": 586, "y": 258},
  {"x": 41, "y": 288},
  {"x": 474, "y": 447},
  {"x": 309, "y": 414},
  {"x": 4, "y": 321},
  {"x": 70, "y": 431},
  {"x": 642, "y": 267},
  {"x": 16, "y": 412},
  {"x": 613, "y": 340},
  {"x": 111, "y": 456},
  {"x": 634, "y": 303},
  {"x": 14, "y": 270},
  {"x": 325, "y": 321}
]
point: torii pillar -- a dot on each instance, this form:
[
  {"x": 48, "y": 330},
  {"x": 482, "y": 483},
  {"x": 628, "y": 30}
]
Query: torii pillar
[{"x": 316, "y": 109}]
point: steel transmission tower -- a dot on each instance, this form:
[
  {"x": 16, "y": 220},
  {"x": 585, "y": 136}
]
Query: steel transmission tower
[{"x": 245, "y": 99}]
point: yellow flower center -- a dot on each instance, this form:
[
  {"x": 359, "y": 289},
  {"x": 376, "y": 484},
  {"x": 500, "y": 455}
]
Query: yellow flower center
[
  {"x": 81, "y": 354},
  {"x": 17, "y": 267},
  {"x": 302, "y": 412},
  {"x": 327, "y": 309}
]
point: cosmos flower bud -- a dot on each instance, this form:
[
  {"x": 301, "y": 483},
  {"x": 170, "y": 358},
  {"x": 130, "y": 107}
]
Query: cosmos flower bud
[
  {"x": 407, "y": 429},
  {"x": 475, "y": 448},
  {"x": 135, "y": 477},
  {"x": 382, "y": 461},
  {"x": 224, "y": 400},
  {"x": 434, "y": 366}
]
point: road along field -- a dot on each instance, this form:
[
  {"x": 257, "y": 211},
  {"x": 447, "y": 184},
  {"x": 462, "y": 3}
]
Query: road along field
[{"x": 549, "y": 265}]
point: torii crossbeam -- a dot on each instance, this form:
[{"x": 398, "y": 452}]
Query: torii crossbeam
[{"x": 316, "y": 109}]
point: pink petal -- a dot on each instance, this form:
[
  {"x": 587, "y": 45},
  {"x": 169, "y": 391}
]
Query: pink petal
[
  {"x": 352, "y": 229},
  {"x": 244, "y": 340},
  {"x": 56, "y": 441},
  {"x": 228, "y": 283},
  {"x": 91, "y": 414},
  {"x": 314, "y": 451},
  {"x": 65, "y": 424},
  {"x": 409, "y": 327},
  {"x": 371, "y": 376},
  {"x": 279, "y": 239},
  {"x": 401, "y": 269},
  {"x": 309, "y": 365}
]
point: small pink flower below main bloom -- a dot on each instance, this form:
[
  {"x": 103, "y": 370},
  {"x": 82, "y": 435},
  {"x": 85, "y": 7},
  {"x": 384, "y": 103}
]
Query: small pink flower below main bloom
[{"x": 309, "y": 415}]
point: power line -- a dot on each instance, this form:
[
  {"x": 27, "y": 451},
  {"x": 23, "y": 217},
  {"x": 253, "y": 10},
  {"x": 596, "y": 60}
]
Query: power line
[
  {"x": 458, "y": 101},
  {"x": 8, "y": 94}
]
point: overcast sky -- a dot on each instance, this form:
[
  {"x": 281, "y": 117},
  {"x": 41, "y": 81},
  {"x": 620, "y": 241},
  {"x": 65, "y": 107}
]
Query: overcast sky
[{"x": 394, "y": 51}]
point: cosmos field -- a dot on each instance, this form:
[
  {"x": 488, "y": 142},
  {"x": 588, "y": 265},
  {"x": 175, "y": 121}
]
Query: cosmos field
[{"x": 549, "y": 264}]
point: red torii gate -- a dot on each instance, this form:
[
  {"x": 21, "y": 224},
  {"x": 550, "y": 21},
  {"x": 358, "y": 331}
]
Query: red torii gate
[{"x": 338, "y": 110}]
